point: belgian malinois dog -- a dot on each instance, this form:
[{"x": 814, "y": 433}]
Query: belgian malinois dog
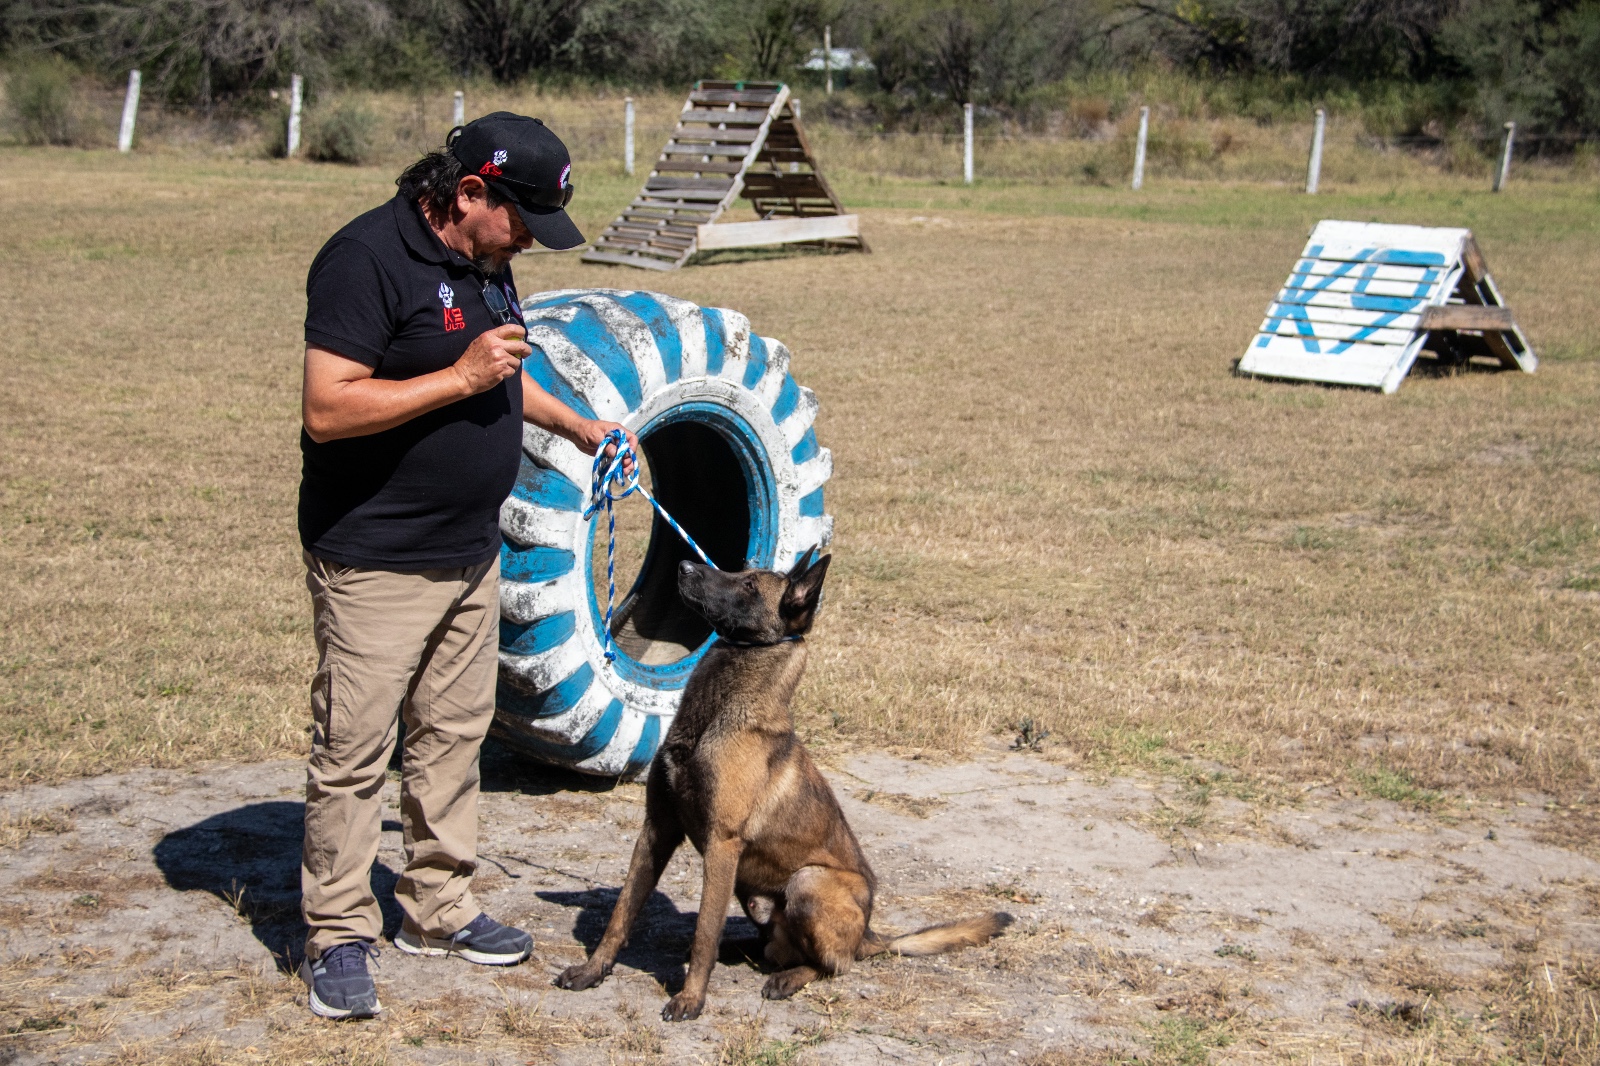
[{"x": 732, "y": 776}]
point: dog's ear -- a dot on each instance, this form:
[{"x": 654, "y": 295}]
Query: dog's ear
[
  {"x": 802, "y": 563},
  {"x": 804, "y": 592}
]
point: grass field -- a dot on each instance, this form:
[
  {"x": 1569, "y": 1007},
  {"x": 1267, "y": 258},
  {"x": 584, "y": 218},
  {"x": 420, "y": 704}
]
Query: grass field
[{"x": 1053, "y": 501}]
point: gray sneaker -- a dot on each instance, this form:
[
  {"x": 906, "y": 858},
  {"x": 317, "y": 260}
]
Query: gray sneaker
[
  {"x": 339, "y": 983},
  {"x": 483, "y": 941}
]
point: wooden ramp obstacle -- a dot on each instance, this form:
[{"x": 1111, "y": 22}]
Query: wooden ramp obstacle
[
  {"x": 734, "y": 139},
  {"x": 1366, "y": 298}
]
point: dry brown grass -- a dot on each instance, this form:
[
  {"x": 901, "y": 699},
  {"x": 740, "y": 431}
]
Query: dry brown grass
[
  {"x": 17, "y": 826},
  {"x": 1053, "y": 501}
]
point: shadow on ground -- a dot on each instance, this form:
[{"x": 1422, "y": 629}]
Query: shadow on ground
[
  {"x": 660, "y": 940},
  {"x": 249, "y": 858}
]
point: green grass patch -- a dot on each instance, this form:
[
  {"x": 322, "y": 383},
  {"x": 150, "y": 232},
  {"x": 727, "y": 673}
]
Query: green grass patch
[{"x": 1382, "y": 782}]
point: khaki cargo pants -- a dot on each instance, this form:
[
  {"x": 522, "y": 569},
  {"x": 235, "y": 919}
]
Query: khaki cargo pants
[{"x": 423, "y": 644}]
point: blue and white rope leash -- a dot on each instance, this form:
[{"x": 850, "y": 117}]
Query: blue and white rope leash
[{"x": 609, "y": 476}]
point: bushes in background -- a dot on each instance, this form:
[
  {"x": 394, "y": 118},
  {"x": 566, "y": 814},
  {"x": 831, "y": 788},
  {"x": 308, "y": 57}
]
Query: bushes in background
[
  {"x": 342, "y": 132},
  {"x": 43, "y": 105},
  {"x": 1409, "y": 67}
]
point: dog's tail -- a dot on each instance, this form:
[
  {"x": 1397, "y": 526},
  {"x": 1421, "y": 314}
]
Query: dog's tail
[{"x": 936, "y": 939}]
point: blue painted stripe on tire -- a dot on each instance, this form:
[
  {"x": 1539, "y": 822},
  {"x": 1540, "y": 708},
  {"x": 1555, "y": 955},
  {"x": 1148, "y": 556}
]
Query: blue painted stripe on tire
[
  {"x": 599, "y": 735},
  {"x": 547, "y": 488},
  {"x": 539, "y": 367},
  {"x": 593, "y": 741},
  {"x": 806, "y": 448},
  {"x": 758, "y": 362},
  {"x": 668, "y": 343},
  {"x": 589, "y": 333},
  {"x": 788, "y": 398},
  {"x": 645, "y": 750},
  {"x": 535, "y": 564},
  {"x": 532, "y": 638},
  {"x": 557, "y": 700},
  {"x": 811, "y": 506},
  {"x": 716, "y": 347}
]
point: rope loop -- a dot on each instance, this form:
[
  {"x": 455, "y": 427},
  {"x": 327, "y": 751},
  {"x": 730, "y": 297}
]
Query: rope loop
[{"x": 610, "y": 484}]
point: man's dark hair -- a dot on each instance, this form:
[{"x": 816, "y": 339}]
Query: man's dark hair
[{"x": 432, "y": 180}]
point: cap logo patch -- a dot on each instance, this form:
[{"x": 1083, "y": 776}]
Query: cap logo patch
[
  {"x": 453, "y": 318},
  {"x": 500, "y": 157},
  {"x": 566, "y": 172}
]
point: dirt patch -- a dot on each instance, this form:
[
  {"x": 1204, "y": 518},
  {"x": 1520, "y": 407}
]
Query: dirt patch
[{"x": 161, "y": 925}]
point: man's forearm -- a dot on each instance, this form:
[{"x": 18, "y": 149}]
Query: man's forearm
[
  {"x": 549, "y": 413},
  {"x": 372, "y": 405}
]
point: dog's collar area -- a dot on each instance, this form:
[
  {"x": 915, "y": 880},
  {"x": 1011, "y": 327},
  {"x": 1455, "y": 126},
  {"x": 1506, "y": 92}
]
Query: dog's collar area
[{"x": 756, "y": 644}]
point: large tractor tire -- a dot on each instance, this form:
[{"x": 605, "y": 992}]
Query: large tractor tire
[{"x": 728, "y": 438}]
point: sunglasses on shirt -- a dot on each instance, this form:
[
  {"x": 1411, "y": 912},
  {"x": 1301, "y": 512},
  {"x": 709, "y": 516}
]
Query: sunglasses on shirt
[{"x": 499, "y": 307}]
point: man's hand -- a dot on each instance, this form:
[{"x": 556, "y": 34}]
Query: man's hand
[
  {"x": 589, "y": 434},
  {"x": 491, "y": 358}
]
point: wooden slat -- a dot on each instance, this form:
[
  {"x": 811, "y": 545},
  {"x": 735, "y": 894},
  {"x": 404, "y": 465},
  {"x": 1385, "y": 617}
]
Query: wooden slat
[
  {"x": 1365, "y": 286},
  {"x": 1472, "y": 259},
  {"x": 708, "y": 196},
  {"x": 731, "y": 118},
  {"x": 629, "y": 260},
  {"x": 614, "y": 242},
  {"x": 763, "y": 97},
  {"x": 778, "y": 231},
  {"x": 684, "y": 186},
  {"x": 1343, "y": 316},
  {"x": 684, "y": 217},
  {"x": 678, "y": 233},
  {"x": 618, "y": 235},
  {"x": 1349, "y": 300},
  {"x": 1467, "y": 316},
  {"x": 1329, "y": 331},
  {"x": 695, "y": 166},
  {"x": 696, "y": 151},
  {"x": 707, "y": 84},
  {"x": 1325, "y": 268},
  {"x": 785, "y": 187},
  {"x": 700, "y": 134},
  {"x": 655, "y": 218},
  {"x": 1358, "y": 364}
]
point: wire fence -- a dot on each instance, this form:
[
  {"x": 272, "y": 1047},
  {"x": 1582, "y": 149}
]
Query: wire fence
[{"x": 1106, "y": 151}]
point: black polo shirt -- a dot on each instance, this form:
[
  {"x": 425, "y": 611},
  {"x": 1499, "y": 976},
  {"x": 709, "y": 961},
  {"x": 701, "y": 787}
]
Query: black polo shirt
[{"x": 386, "y": 292}]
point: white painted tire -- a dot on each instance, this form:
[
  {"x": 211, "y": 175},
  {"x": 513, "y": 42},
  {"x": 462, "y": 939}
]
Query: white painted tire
[{"x": 728, "y": 434}]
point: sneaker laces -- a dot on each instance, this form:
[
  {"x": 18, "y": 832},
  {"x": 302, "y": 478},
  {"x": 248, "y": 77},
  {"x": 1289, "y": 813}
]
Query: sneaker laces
[
  {"x": 477, "y": 927},
  {"x": 349, "y": 958}
]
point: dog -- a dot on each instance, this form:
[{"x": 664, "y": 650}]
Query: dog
[{"x": 732, "y": 777}]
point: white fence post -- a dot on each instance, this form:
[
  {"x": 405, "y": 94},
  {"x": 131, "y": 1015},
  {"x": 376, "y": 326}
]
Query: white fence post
[
  {"x": 1138, "y": 151},
  {"x": 627, "y": 135},
  {"x": 297, "y": 87},
  {"x": 966, "y": 143},
  {"x": 458, "y": 113},
  {"x": 827, "y": 55},
  {"x": 1314, "y": 170},
  {"x": 130, "y": 111},
  {"x": 1503, "y": 175}
]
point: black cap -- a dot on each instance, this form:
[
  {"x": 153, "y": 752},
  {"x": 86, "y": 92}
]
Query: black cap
[{"x": 524, "y": 161}]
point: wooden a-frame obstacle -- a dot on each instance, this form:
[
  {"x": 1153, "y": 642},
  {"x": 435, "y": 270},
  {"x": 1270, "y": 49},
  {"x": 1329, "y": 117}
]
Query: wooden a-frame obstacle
[
  {"x": 1366, "y": 298},
  {"x": 734, "y": 139}
]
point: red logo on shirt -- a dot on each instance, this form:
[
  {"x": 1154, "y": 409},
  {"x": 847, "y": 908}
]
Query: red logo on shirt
[{"x": 453, "y": 319}]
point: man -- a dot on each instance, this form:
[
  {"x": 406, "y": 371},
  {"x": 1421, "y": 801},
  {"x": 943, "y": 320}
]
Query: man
[{"x": 413, "y": 408}]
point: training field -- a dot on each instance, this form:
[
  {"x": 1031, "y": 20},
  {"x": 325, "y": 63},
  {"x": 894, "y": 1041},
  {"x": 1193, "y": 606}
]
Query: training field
[{"x": 1056, "y": 510}]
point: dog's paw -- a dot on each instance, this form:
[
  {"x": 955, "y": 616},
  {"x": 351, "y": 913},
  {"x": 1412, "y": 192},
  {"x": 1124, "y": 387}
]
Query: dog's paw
[
  {"x": 683, "y": 1008},
  {"x": 584, "y": 975},
  {"x": 786, "y": 983}
]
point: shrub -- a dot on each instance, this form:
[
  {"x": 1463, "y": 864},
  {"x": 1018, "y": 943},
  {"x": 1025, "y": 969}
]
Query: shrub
[
  {"x": 343, "y": 133},
  {"x": 43, "y": 103}
]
